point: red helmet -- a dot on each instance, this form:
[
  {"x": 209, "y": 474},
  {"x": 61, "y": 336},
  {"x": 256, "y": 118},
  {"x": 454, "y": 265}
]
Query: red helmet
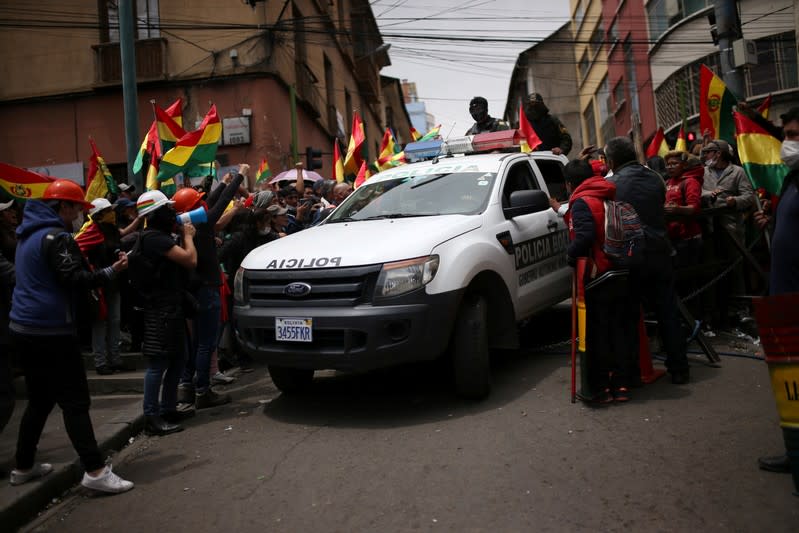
[
  {"x": 66, "y": 190},
  {"x": 187, "y": 199}
]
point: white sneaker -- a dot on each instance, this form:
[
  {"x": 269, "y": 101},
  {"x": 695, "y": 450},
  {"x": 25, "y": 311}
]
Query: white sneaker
[
  {"x": 107, "y": 481},
  {"x": 221, "y": 379},
  {"x": 39, "y": 469}
]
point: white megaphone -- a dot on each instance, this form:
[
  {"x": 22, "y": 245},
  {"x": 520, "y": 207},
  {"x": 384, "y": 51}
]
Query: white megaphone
[{"x": 196, "y": 216}]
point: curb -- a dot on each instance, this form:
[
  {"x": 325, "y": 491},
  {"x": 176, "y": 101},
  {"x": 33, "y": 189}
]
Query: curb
[{"x": 30, "y": 499}]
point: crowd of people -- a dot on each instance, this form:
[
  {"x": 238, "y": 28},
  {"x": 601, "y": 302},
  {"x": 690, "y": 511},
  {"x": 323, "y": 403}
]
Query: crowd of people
[
  {"x": 678, "y": 236},
  {"x": 160, "y": 269}
]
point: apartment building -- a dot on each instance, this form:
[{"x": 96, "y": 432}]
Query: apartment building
[{"x": 63, "y": 77}]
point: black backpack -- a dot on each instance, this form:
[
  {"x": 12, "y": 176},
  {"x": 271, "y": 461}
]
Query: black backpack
[{"x": 143, "y": 272}]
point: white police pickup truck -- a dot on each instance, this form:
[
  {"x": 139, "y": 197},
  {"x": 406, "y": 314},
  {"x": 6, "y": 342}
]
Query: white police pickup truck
[{"x": 440, "y": 256}]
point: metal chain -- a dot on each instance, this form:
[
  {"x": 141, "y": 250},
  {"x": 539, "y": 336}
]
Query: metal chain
[{"x": 713, "y": 281}]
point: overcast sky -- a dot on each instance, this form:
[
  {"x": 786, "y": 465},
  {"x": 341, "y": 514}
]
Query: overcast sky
[{"x": 448, "y": 73}]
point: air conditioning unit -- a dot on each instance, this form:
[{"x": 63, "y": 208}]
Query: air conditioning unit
[{"x": 744, "y": 52}]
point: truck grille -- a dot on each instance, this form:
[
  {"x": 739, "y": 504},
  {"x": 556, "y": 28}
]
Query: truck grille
[{"x": 332, "y": 287}]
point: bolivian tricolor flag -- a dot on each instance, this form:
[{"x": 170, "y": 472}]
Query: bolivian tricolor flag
[
  {"x": 764, "y": 106},
  {"x": 21, "y": 183},
  {"x": 681, "y": 144},
  {"x": 263, "y": 173},
  {"x": 338, "y": 164},
  {"x": 390, "y": 153},
  {"x": 658, "y": 146},
  {"x": 430, "y": 135},
  {"x": 193, "y": 148},
  {"x": 760, "y": 155},
  {"x": 363, "y": 175},
  {"x": 99, "y": 181},
  {"x": 151, "y": 141},
  {"x": 354, "y": 157},
  {"x": 415, "y": 135},
  {"x": 715, "y": 106}
]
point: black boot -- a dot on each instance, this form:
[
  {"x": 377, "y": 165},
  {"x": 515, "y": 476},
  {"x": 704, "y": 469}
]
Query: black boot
[
  {"x": 155, "y": 425},
  {"x": 175, "y": 417}
]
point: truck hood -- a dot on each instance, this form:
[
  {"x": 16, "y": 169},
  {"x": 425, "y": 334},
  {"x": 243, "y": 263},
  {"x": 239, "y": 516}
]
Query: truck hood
[{"x": 346, "y": 244}]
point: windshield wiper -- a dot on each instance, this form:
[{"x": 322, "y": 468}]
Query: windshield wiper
[
  {"x": 431, "y": 180},
  {"x": 382, "y": 217}
]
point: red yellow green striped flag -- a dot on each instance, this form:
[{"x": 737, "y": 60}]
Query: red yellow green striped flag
[
  {"x": 194, "y": 148},
  {"x": 354, "y": 157},
  {"x": 363, "y": 175},
  {"x": 530, "y": 139},
  {"x": 338, "y": 164},
  {"x": 430, "y": 135},
  {"x": 415, "y": 135},
  {"x": 99, "y": 180},
  {"x": 658, "y": 146},
  {"x": 391, "y": 155},
  {"x": 760, "y": 155},
  {"x": 715, "y": 106},
  {"x": 151, "y": 140},
  {"x": 263, "y": 173},
  {"x": 764, "y": 106},
  {"x": 21, "y": 183},
  {"x": 681, "y": 144}
]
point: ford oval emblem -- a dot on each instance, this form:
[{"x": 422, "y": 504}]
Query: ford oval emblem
[{"x": 297, "y": 289}]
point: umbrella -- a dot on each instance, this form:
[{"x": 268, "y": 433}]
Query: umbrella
[{"x": 291, "y": 175}]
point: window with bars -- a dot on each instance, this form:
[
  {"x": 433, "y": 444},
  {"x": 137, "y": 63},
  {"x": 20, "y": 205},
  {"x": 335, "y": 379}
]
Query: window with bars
[
  {"x": 146, "y": 20},
  {"x": 776, "y": 71}
]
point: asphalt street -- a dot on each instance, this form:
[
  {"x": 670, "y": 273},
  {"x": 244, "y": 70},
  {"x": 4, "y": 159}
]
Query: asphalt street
[{"x": 396, "y": 451}]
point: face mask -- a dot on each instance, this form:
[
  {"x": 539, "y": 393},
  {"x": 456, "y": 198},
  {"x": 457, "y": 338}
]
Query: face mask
[
  {"x": 479, "y": 114},
  {"x": 789, "y": 153},
  {"x": 264, "y": 231},
  {"x": 78, "y": 222},
  {"x": 710, "y": 163}
]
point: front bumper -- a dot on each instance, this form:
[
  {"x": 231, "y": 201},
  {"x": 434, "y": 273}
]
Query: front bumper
[{"x": 361, "y": 337}]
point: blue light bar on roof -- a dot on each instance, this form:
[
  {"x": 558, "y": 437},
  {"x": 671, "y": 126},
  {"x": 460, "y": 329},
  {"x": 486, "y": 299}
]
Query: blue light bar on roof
[{"x": 422, "y": 150}]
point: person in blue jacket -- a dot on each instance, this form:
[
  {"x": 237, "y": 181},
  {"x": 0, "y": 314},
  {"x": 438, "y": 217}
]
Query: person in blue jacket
[{"x": 51, "y": 276}]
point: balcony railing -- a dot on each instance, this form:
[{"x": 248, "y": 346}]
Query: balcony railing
[{"x": 150, "y": 61}]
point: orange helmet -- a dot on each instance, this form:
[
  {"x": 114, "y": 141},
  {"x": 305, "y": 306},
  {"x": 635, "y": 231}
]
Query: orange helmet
[
  {"x": 187, "y": 199},
  {"x": 67, "y": 191}
]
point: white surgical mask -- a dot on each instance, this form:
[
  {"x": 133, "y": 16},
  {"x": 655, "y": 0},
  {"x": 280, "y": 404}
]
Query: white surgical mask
[
  {"x": 789, "y": 153},
  {"x": 710, "y": 163}
]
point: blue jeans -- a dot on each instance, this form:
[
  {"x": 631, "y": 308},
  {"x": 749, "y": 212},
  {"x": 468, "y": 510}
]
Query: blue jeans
[
  {"x": 167, "y": 370},
  {"x": 105, "y": 333},
  {"x": 206, "y": 336}
]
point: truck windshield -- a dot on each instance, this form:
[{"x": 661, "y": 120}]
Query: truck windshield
[{"x": 451, "y": 193}]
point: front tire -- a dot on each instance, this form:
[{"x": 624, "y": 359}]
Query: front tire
[
  {"x": 470, "y": 355},
  {"x": 289, "y": 380}
]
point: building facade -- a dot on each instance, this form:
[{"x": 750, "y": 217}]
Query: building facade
[
  {"x": 540, "y": 69},
  {"x": 63, "y": 77},
  {"x": 680, "y": 32}
]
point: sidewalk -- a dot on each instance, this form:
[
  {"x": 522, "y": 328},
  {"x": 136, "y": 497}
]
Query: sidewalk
[{"x": 116, "y": 418}]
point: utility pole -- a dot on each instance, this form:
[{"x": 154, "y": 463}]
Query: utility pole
[
  {"x": 128, "y": 59},
  {"x": 729, "y": 29}
]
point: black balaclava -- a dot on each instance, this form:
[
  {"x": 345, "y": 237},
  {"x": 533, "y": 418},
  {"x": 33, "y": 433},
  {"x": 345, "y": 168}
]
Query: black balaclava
[{"x": 478, "y": 108}]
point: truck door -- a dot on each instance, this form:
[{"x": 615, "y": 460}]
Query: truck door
[{"x": 539, "y": 243}]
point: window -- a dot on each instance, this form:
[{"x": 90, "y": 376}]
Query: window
[
  {"x": 552, "y": 171},
  {"x": 597, "y": 39},
  {"x": 776, "y": 68},
  {"x": 618, "y": 94},
  {"x": 330, "y": 95},
  {"x": 590, "y": 124},
  {"x": 584, "y": 64},
  {"x": 579, "y": 14},
  {"x": 605, "y": 108},
  {"x": 629, "y": 67},
  {"x": 145, "y": 23},
  {"x": 520, "y": 178},
  {"x": 613, "y": 32},
  {"x": 663, "y": 14}
]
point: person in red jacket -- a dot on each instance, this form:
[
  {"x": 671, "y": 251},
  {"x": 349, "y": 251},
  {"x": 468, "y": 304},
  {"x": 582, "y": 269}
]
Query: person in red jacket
[
  {"x": 684, "y": 199},
  {"x": 611, "y": 322}
]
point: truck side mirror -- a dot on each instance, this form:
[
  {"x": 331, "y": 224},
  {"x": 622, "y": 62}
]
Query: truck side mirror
[{"x": 526, "y": 202}]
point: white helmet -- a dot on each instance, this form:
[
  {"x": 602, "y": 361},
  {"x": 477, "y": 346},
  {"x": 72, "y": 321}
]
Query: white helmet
[
  {"x": 150, "y": 201},
  {"x": 99, "y": 204}
]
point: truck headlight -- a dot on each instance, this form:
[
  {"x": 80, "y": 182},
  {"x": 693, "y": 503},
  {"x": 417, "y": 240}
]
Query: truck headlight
[
  {"x": 405, "y": 276},
  {"x": 238, "y": 286}
]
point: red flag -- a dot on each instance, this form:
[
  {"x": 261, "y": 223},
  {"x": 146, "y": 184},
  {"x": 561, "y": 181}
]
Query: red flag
[{"x": 528, "y": 133}]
